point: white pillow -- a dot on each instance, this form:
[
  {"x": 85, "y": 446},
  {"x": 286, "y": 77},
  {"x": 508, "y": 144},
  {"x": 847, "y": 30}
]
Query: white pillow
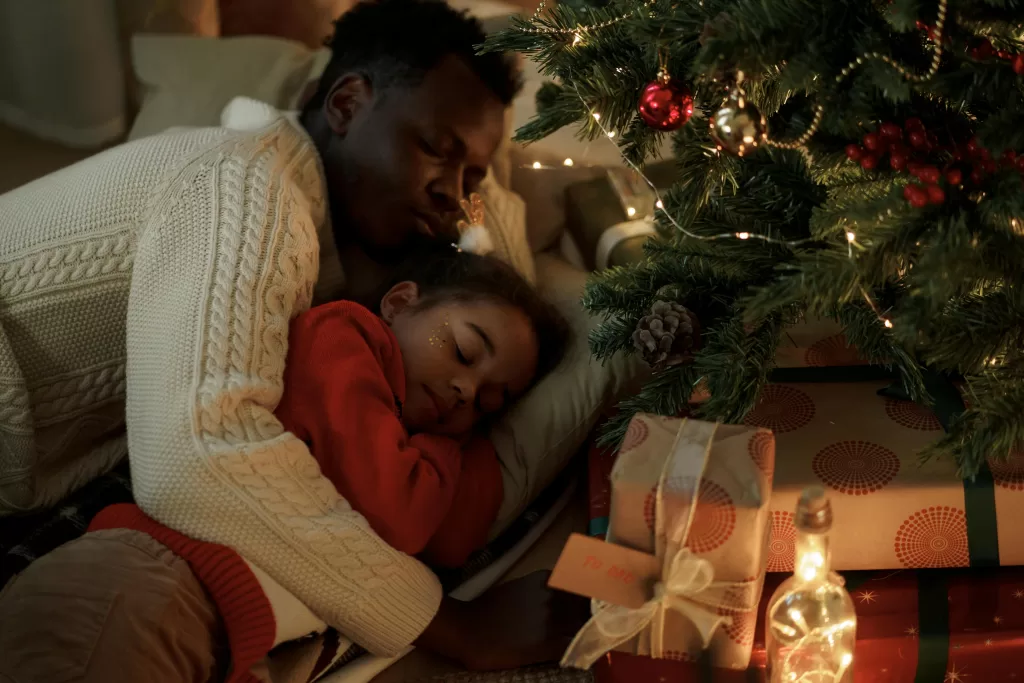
[
  {"x": 188, "y": 80},
  {"x": 546, "y": 427}
]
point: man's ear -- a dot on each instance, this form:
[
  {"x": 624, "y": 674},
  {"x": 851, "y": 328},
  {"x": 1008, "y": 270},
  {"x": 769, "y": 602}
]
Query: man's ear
[
  {"x": 349, "y": 95},
  {"x": 399, "y": 298}
]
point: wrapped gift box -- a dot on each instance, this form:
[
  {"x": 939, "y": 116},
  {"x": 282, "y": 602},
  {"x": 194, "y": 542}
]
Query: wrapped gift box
[
  {"x": 728, "y": 529},
  {"x": 892, "y": 510},
  {"x": 953, "y": 625}
]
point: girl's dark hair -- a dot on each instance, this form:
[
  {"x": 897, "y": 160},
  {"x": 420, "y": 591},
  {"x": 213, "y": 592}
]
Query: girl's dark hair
[{"x": 445, "y": 275}]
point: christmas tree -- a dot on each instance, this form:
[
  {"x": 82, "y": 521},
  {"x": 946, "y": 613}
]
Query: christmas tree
[{"x": 849, "y": 159}]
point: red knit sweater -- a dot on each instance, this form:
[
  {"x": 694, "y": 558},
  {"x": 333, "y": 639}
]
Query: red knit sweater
[
  {"x": 423, "y": 494},
  {"x": 344, "y": 386}
]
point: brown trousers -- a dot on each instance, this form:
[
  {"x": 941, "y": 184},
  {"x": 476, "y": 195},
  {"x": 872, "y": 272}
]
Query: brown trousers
[{"x": 113, "y": 605}]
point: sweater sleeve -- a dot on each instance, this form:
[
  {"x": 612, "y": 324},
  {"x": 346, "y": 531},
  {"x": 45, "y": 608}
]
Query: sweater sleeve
[
  {"x": 226, "y": 255},
  {"x": 473, "y": 510},
  {"x": 339, "y": 397}
]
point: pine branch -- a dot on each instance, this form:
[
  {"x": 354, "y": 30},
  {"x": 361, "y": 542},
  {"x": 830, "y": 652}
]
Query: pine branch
[{"x": 844, "y": 242}]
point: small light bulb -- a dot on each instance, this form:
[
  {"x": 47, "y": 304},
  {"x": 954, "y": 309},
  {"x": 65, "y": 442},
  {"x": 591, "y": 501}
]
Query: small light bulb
[
  {"x": 567, "y": 162},
  {"x": 536, "y": 164},
  {"x": 743, "y": 235},
  {"x": 850, "y": 236},
  {"x": 597, "y": 117},
  {"x": 659, "y": 204},
  {"x": 887, "y": 323},
  {"x": 611, "y": 133},
  {"x": 847, "y": 659},
  {"x": 630, "y": 211},
  {"x": 577, "y": 39}
]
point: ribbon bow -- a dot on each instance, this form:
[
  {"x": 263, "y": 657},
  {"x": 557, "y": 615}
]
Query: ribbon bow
[{"x": 687, "y": 583}]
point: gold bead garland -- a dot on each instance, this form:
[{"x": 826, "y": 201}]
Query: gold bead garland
[
  {"x": 933, "y": 69},
  {"x": 579, "y": 30}
]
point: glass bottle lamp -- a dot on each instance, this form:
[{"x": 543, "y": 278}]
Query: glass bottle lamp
[{"x": 810, "y": 622}]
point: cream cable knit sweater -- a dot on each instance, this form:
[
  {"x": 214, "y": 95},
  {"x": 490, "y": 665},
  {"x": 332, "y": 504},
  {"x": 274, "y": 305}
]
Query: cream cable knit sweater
[{"x": 206, "y": 243}]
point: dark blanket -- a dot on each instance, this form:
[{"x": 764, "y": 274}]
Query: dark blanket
[{"x": 23, "y": 538}]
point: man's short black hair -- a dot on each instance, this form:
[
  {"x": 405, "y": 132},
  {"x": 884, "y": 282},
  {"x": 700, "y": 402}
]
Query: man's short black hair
[{"x": 396, "y": 42}]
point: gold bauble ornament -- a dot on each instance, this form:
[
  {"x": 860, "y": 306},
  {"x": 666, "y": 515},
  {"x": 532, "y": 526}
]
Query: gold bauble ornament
[{"x": 738, "y": 126}]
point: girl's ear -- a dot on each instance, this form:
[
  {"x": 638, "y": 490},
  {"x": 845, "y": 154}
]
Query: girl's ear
[{"x": 398, "y": 299}]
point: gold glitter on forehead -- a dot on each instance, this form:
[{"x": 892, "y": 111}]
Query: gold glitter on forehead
[{"x": 438, "y": 337}]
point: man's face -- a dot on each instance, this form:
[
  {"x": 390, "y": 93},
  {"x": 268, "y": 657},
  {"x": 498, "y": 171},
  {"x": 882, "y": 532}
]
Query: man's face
[{"x": 408, "y": 155}]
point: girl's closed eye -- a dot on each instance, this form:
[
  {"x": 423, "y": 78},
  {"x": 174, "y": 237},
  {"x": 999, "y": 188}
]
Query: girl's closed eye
[{"x": 461, "y": 356}]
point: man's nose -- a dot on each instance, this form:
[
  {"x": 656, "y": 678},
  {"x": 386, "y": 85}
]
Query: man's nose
[{"x": 447, "y": 190}]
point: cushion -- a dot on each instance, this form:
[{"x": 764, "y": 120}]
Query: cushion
[
  {"x": 187, "y": 80},
  {"x": 542, "y": 432}
]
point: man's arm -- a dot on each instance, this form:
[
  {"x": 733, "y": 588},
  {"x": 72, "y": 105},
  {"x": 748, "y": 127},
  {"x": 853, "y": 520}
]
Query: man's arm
[{"x": 225, "y": 258}]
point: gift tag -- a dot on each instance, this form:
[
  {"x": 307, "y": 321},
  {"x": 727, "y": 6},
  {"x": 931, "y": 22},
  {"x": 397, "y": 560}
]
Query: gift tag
[{"x": 604, "y": 571}]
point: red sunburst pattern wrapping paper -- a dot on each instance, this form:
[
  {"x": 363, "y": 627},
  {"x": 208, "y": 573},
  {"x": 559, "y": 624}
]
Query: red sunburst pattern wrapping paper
[
  {"x": 730, "y": 521},
  {"x": 891, "y": 510}
]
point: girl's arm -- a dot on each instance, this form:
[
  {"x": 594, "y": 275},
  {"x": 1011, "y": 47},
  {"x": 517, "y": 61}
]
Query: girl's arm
[
  {"x": 339, "y": 379},
  {"x": 474, "y": 508}
]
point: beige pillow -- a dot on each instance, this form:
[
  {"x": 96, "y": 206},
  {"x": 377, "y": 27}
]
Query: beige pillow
[
  {"x": 547, "y": 426},
  {"x": 187, "y": 80}
]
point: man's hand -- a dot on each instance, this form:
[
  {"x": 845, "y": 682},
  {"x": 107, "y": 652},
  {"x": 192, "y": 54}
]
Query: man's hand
[{"x": 516, "y": 624}]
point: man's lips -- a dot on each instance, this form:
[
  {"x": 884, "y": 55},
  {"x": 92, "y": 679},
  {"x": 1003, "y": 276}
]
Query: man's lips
[
  {"x": 429, "y": 224},
  {"x": 440, "y": 408}
]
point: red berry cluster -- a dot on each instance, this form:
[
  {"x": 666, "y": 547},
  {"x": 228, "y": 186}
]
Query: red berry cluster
[
  {"x": 985, "y": 50},
  {"x": 920, "y": 143},
  {"x": 982, "y": 50}
]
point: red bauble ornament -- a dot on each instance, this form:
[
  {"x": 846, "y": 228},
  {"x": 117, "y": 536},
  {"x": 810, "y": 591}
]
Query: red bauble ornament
[
  {"x": 665, "y": 104},
  {"x": 869, "y": 161},
  {"x": 1018, "y": 64},
  {"x": 1008, "y": 158},
  {"x": 918, "y": 138},
  {"x": 898, "y": 161},
  {"x": 854, "y": 152},
  {"x": 872, "y": 141},
  {"x": 973, "y": 146},
  {"x": 913, "y": 123},
  {"x": 954, "y": 176},
  {"x": 935, "y": 194}
]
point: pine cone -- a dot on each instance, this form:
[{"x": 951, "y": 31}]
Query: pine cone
[{"x": 668, "y": 336}]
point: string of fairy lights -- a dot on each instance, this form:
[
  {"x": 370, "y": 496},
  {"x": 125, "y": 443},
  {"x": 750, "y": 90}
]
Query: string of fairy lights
[{"x": 797, "y": 144}]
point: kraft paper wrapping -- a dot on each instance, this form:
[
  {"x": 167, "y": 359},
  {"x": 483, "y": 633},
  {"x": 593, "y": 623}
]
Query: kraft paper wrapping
[
  {"x": 729, "y": 528},
  {"x": 891, "y": 510}
]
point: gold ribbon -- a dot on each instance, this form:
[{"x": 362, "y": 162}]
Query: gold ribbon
[{"x": 687, "y": 582}]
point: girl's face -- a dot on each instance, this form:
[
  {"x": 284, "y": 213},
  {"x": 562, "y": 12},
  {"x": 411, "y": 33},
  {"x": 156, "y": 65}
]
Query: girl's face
[{"x": 463, "y": 360}]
